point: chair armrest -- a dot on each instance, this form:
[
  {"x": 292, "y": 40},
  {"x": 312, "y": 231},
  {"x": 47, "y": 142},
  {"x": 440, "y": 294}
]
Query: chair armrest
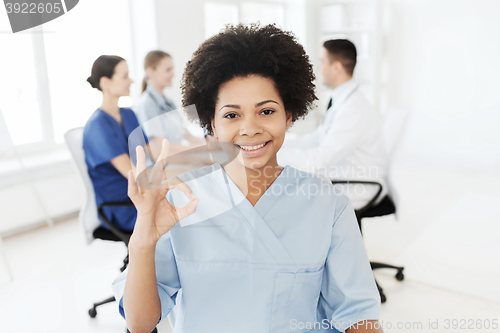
[
  {"x": 125, "y": 237},
  {"x": 360, "y": 211}
]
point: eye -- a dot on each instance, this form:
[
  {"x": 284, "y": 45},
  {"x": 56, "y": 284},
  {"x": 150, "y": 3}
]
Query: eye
[
  {"x": 267, "y": 112},
  {"x": 230, "y": 115}
]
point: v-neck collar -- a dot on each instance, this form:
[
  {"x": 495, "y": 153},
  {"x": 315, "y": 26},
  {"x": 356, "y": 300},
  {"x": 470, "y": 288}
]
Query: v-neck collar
[
  {"x": 111, "y": 117},
  {"x": 268, "y": 198},
  {"x": 254, "y": 216}
]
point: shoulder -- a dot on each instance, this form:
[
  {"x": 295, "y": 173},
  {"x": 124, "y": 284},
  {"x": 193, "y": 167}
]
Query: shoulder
[
  {"x": 97, "y": 127},
  {"x": 96, "y": 121},
  {"x": 96, "y": 116},
  {"x": 318, "y": 193},
  {"x": 316, "y": 185},
  {"x": 143, "y": 101},
  {"x": 127, "y": 112},
  {"x": 300, "y": 176},
  {"x": 359, "y": 99}
]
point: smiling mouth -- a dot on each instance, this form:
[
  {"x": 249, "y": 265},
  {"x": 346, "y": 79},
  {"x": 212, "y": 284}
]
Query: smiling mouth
[{"x": 251, "y": 148}]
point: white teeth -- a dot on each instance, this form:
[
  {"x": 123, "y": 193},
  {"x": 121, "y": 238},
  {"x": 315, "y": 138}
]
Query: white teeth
[{"x": 252, "y": 147}]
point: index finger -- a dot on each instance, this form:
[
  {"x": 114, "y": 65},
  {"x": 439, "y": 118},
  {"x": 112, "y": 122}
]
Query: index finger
[{"x": 141, "y": 160}]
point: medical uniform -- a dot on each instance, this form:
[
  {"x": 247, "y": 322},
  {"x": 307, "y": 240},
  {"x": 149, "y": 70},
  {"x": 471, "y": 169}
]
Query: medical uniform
[
  {"x": 104, "y": 139},
  {"x": 159, "y": 117},
  {"x": 347, "y": 145},
  {"x": 294, "y": 259}
]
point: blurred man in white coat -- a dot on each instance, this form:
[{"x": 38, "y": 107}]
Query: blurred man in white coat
[{"x": 348, "y": 144}]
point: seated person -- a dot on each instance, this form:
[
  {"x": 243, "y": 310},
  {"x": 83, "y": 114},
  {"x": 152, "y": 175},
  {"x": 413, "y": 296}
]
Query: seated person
[
  {"x": 348, "y": 144},
  {"x": 105, "y": 140},
  {"x": 158, "y": 66}
]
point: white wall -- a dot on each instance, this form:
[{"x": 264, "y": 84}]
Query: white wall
[
  {"x": 21, "y": 207},
  {"x": 144, "y": 36},
  {"x": 180, "y": 31},
  {"x": 442, "y": 62}
]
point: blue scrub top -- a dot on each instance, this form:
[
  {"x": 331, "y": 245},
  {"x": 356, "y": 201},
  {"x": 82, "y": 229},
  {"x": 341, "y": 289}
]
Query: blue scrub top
[
  {"x": 104, "y": 139},
  {"x": 295, "y": 261}
]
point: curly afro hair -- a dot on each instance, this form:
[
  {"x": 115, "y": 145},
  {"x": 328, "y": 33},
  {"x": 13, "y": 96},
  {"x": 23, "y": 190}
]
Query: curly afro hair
[{"x": 242, "y": 50}]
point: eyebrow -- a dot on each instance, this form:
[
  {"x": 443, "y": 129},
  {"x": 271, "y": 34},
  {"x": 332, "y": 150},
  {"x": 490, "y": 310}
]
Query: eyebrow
[{"x": 256, "y": 105}]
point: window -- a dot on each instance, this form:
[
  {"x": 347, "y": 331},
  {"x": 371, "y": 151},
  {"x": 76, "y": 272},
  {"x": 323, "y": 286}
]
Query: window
[
  {"x": 266, "y": 13},
  {"x": 74, "y": 42},
  {"x": 18, "y": 91},
  {"x": 40, "y": 103},
  {"x": 217, "y": 14}
]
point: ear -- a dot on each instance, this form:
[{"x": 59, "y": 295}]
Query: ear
[
  {"x": 212, "y": 123},
  {"x": 149, "y": 72},
  {"x": 289, "y": 117},
  {"x": 337, "y": 65},
  {"x": 104, "y": 82}
]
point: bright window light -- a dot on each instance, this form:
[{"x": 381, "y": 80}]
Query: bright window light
[
  {"x": 72, "y": 43},
  {"x": 217, "y": 15},
  {"x": 18, "y": 88}
]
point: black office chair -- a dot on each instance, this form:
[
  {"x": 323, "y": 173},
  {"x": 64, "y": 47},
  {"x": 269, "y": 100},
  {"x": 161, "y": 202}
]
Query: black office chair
[
  {"x": 88, "y": 214},
  {"x": 113, "y": 234},
  {"x": 384, "y": 207}
]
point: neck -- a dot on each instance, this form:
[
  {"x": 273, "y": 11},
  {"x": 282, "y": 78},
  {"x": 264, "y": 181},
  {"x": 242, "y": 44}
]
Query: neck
[
  {"x": 158, "y": 88},
  {"x": 341, "y": 80},
  {"x": 110, "y": 104},
  {"x": 253, "y": 182}
]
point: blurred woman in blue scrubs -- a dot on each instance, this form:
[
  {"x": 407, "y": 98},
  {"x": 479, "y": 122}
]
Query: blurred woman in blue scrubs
[
  {"x": 105, "y": 139},
  {"x": 159, "y": 70}
]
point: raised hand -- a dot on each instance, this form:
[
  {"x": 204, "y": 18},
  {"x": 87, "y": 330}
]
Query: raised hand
[{"x": 155, "y": 215}]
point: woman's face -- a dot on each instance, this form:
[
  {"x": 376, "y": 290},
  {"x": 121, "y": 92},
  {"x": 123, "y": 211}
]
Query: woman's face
[
  {"x": 119, "y": 84},
  {"x": 163, "y": 73},
  {"x": 250, "y": 114}
]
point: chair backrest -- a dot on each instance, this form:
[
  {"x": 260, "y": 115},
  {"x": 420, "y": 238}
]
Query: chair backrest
[
  {"x": 88, "y": 213},
  {"x": 394, "y": 125},
  {"x": 393, "y": 129}
]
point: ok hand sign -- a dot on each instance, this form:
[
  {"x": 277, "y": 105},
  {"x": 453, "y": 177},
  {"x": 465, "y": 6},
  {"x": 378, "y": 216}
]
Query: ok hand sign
[{"x": 155, "y": 215}]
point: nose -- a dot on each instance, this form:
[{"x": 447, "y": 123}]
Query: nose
[{"x": 250, "y": 126}]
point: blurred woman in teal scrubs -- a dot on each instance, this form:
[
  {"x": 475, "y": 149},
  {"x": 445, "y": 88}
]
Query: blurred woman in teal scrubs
[{"x": 158, "y": 114}]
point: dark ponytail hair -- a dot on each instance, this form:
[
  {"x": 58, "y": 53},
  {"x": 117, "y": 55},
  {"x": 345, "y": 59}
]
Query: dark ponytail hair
[
  {"x": 103, "y": 66},
  {"x": 152, "y": 59}
]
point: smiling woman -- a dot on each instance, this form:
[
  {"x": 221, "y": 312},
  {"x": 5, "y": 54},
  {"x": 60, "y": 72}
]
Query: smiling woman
[
  {"x": 254, "y": 246},
  {"x": 257, "y": 124}
]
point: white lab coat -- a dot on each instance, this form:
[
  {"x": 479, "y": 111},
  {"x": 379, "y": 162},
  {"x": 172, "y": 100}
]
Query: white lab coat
[{"x": 347, "y": 145}]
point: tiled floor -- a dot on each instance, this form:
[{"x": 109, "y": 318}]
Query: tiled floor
[{"x": 56, "y": 276}]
